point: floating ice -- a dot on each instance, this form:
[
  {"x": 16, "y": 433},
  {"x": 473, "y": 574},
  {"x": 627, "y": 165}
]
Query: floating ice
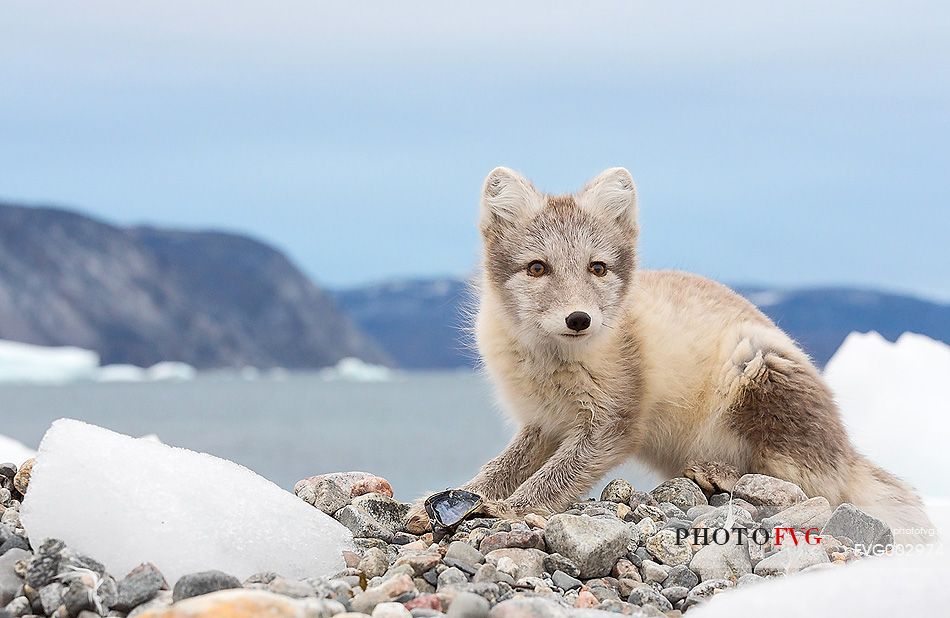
[
  {"x": 169, "y": 370},
  {"x": 125, "y": 501},
  {"x": 120, "y": 373},
  {"x": 356, "y": 370},
  {"x": 12, "y": 451},
  {"x": 25, "y": 362}
]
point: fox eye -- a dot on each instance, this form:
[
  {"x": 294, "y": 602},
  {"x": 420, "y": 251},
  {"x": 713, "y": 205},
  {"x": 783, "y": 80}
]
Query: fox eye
[
  {"x": 537, "y": 268},
  {"x": 598, "y": 269}
]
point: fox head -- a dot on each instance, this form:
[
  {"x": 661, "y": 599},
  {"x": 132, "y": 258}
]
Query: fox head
[{"x": 561, "y": 266}]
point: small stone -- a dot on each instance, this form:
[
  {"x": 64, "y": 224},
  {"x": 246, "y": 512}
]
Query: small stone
[
  {"x": 617, "y": 490},
  {"x": 675, "y": 594},
  {"x": 322, "y": 493},
  {"x": 139, "y": 586},
  {"x": 557, "y": 562},
  {"x": 20, "y": 606},
  {"x": 391, "y": 610},
  {"x": 790, "y": 560},
  {"x": 8, "y": 470},
  {"x": 468, "y": 605},
  {"x": 749, "y": 579},
  {"x": 641, "y": 497},
  {"x": 242, "y": 603},
  {"x": 654, "y": 573},
  {"x": 625, "y": 569},
  {"x": 864, "y": 530},
  {"x": 196, "y": 584},
  {"x": 535, "y": 520},
  {"x": 768, "y": 492},
  {"x": 459, "y": 550},
  {"x": 701, "y": 592},
  {"x": 812, "y": 513},
  {"x": 593, "y": 544},
  {"x": 13, "y": 542},
  {"x": 698, "y": 510},
  {"x": 51, "y": 597},
  {"x": 664, "y": 547},
  {"x": 681, "y": 575},
  {"x": 726, "y": 516},
  {"x": 389, "y": 590},
  {"x": 564, "y": 581},
  {"x": 362, "y": 524},
  {"x": 81, "y": 595},
  {"x": 644, "y": 511},
  {"x": 528, "y": 607},
  {"x": 22, "y": 478},
  {"x": 374, "y": 563},
  {"x": 528, "y": 562},
  {"x": 424, "y": 601},
  {"x": 672, "y": 511},
  {"x": 646, "y": 527},
  {"x": 719, "y": 499},
  {"x": 388, "y": 512},
  {"x": 728, "y": 561},
  {"x": 419, "y": 563},
  {"x": 681, "y": 491},
  {"x": 10, "y": 581},
  {"x": 645, "y": 594},
  {"x": 451, "y": 576},
  {"x": 294, "y": 589},
  {"x": 520, "y": 539}
]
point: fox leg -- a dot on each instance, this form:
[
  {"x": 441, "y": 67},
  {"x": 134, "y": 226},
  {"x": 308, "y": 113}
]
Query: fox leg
[
  {"x": 579, "y": 462},
  {"x": 501, "y": 476},
  {"x": 712, "y": 476}
]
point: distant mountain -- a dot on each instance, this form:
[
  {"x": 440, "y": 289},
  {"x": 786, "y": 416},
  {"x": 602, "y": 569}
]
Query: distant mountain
[
  {"x": 141, "y": 295},
  {"x": 420, "y": 322}
]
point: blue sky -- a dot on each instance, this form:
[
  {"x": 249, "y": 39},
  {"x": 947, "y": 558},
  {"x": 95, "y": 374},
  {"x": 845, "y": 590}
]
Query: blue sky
[{"x": 780, "y": 143}]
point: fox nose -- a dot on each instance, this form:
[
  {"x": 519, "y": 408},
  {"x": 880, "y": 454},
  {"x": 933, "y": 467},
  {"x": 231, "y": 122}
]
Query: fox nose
[{"x": 578, "y": 321}]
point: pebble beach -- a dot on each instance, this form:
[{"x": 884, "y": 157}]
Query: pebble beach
[{"x": 661, "y": 552}]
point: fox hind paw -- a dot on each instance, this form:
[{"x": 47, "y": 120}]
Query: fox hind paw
[{"x": 712, "y": 476}]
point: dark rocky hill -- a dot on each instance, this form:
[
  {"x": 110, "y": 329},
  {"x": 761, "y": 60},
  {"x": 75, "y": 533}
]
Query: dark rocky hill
[{"x": 142, "y": 295}]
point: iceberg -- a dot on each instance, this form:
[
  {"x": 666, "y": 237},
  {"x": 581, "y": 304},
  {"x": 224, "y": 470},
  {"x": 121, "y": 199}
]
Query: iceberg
[
  {"x": 893, "y": 397},
  {"x": 125, "y": 501},
  {"x": 356, "y": 370},
  {"x": 25, "y": 362}
]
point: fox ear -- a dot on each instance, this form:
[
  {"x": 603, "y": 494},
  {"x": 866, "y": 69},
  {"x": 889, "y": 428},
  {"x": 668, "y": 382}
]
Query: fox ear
[
  {"x": 506, "y": 197},
  {"x": 613, "y": 191}
]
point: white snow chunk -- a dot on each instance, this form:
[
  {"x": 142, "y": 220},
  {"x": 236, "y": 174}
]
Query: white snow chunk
[
  {"x": 886, "y": 586},
  {"x": 356, "y": 370},
  {"x": 125, "y": 501},
  {"x": 25, "y": 362},
  {"x": 13, "y": 451},
  {"x": 895, "y": 400}
]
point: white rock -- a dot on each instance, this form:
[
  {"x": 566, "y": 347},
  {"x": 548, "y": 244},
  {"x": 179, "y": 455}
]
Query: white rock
[{"x": 125, "y": 501}]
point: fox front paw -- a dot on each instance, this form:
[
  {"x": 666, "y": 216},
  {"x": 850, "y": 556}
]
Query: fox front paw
[
  {"x": 712, "y": 476},
  {"x": 417, "y": 520}
]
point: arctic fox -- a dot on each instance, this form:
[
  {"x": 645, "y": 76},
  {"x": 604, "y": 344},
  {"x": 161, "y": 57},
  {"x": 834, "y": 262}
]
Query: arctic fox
[{"x": 599, "y": 361}]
